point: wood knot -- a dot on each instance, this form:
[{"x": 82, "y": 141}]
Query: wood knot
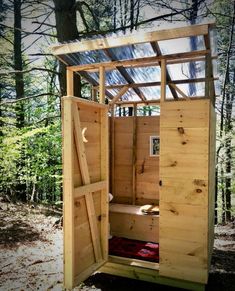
[
  {"x": 181, "y": 130},
  {"x": 192, "y": 254},
  {"x": 199, "y": 190},
  {"x": 184, "y": 142},
  {"x": 199, "y": 183},
  {"x": 174, "y": 164},
  {"x": 77, "y": 204},
  {"x": 172, "y": 210}
]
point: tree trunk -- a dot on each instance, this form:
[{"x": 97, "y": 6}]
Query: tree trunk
[
  {"x": 18, "y": 64},
  {"x": 19, "y": 87},
  {"x": 66, "y": 27}
]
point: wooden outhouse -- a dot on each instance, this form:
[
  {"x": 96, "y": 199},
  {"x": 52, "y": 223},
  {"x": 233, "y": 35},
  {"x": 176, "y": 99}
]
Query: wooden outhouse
[{"x": 147, "y": 136}]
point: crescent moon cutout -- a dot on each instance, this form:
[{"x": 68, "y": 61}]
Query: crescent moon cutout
[{"x": 83, "y": 134}]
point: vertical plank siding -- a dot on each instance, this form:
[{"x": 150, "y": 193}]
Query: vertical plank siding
[{"x": 184, "y": 174}]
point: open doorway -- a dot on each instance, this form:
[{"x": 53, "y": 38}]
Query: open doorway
[{"x": 134, "y": 185}]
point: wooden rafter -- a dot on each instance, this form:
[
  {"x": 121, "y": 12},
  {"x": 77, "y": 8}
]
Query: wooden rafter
[
  {"x": 105, "y": 43},
  {"x": 172, "y": 85},
  {"x": 124, "y": 73},
  {"x": 157, "y": 50},
  {"x": 119, "y": 95}
]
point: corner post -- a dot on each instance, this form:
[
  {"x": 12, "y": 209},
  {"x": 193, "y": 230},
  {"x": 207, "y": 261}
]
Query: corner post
[
  {"x": 70, "y": 83},
  {"x": 102, "y": 84},
  {"x": 163, "y": 80},
  {"x": 68, "y": 192}
]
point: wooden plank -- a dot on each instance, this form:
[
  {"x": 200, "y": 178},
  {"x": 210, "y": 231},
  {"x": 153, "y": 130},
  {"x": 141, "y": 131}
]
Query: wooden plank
[
  {"x": 112, "y": 151},
  {"x": 85, "y": 102},
  {"x": 190, "y": 267},
  {"x": 190, "y": 114},
  {"x": 86, "y": 180},
  {"x": 134, "y": 262},
  {"x": 96, "y": 44},
  {"x": 85, "y": 274},
  {"x": 104, "y": 135},
  {"x": 163, "y": 80},
  {"x": 102, "y": 84},
  {"x": 70, "y": 83},
  {"x": 132, "y": 226},
  {"x": 83, "y": 190},
  {"x": 68, "y": 193},
  {"x": 145, "y": 274},
  {"x": 174, "y": 165},
  {"x": 134, "y": 155},
  {"x": 186, "y": 191},
  {"x": 209, "y": 86},
  {"x": 187, "y": 140},
  {"x": 122, "y": 91}
]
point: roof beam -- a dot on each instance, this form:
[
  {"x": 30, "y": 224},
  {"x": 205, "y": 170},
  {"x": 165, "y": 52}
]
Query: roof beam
[
  {"x": 153, "y": 84},
  {"x": 152, "y": 61},
  {"x": 124, "y": 73},
  {"x": 109, "y": 42},
  {"x": 158, "y": 52}
]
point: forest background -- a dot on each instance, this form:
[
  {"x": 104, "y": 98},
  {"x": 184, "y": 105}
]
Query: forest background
[{"x": 32, "y": 83}]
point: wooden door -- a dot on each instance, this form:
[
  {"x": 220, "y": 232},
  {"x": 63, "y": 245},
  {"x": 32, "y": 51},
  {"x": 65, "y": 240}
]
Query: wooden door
[
  {"x": 85, "y": 188},
  {"x": 184, "y": 160}
]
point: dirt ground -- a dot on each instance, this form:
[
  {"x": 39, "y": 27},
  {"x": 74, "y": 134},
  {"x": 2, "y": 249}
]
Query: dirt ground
[{"x": 31, "y": 255}]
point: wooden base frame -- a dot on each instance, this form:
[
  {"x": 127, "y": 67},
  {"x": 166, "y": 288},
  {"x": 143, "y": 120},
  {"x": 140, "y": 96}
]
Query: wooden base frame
[{"x": 146, "y": 274}]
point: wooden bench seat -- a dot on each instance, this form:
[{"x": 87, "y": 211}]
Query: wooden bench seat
[{"x": 128, "y": 221}]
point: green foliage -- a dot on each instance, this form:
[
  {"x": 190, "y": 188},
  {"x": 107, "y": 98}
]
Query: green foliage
[{"x": 41, "y": 171}]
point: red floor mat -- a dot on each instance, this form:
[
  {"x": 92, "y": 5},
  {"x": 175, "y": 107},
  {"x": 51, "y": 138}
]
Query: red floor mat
[{"x": 135, "y": 249}]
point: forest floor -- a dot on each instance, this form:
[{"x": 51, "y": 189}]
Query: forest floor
[{"x": 31, "y": 248}]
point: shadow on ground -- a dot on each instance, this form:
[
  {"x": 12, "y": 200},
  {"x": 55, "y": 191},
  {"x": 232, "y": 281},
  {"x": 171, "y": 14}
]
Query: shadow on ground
[{"x": 15, "y": 231}]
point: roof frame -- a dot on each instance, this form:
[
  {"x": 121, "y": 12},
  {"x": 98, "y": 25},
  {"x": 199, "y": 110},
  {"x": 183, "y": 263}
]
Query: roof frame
[
  {"x": 124, "y": 74},
  {"x": 151, "y": 38},
  {"x": 109, "y": 42}
]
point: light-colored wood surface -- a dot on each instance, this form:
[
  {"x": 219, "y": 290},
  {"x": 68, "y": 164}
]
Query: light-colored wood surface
[
  {"x": 184, "y": 169},
  {"x": 163, "y": 80},
  {"x": 139, "y": 273},
  {"x": 104, "y": 174},
  {"x": 128, "y": 40},
  {"x": 68, "y": 193},
  {"x": 69, "y": 80},
  {"x": 102, "y": 84},
  {"x": 135, "y": 226},
  {"x": 135, "y": 171},
  {"x": 94, "y": 187},
  {"x": 134, "y": 262},
  {"x": 86, "y": 180},
  {"x": 122, "y": 91},
  {"x": 89, "y": 189}
]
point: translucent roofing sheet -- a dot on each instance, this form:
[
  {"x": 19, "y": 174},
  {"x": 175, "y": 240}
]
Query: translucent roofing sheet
[
  {"x": 142, "y": 50},
  {"x": 188, "y": 70},
  {"x": 146, "y": 74},
  {"x": 180, "y": 45}
]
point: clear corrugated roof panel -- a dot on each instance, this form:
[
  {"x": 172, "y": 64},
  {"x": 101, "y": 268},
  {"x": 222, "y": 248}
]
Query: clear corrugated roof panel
[
  {"x": 180, "y": 45},
  {"x": 151, "y": 93},
  {"x": 133, "y": 51},
  {"x": 147, "y": 74}
]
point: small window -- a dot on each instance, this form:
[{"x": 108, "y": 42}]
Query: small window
[{"x": 154, "y": 146}]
